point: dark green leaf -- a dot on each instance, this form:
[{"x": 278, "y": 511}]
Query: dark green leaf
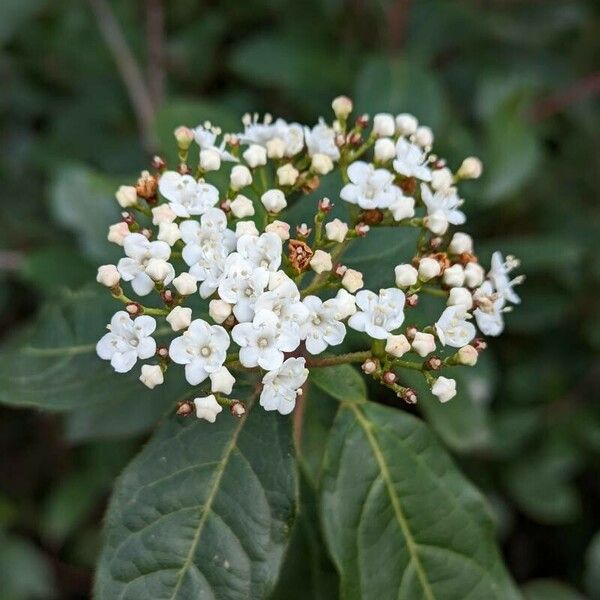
[
  {"x": 549, "y": 589},
  {"x": 592, "y": 568},
  {"x": 342, "y": 382}
]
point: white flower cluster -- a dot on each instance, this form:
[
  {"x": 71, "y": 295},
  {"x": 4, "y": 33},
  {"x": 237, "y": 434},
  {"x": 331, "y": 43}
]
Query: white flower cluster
[{"x": 261, "y": 289}]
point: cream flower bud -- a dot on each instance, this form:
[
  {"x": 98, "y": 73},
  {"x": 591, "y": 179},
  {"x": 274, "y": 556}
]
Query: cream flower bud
[
  {"x": 461, "y": 242},
  {"x": 180, "y": 318},
  {"x": 454, "y": 276},
  {"x": 108, "y": 275},
  {"x": 219, "y": 310},
  {"x": 222, "y": 381},
  {"x": 287, "y": 174},
  {"x": 152, "y": 375},
  {"x": 210, "y": 159},
  {"x": 162, "y": 214},
  {"x": 471, "y": 168},
  {"x": 336, "y": 230},
  {"x": 118, "y": 232},
  {"x": 158, "y": 269},
  {"x": 460, "y": 296},
  {"x": 255, "y": 155},
  {"x": 184, "y": 136},
  {"x": 345, "y": 304},
  {"x": 126, "y": 196},
  {"x": 403, "y": 208},
  {"x": 342, "y": 107},
  {"x": 242, "y": 207},
  {"x": 397, "y": 345},
  {"x": 321, "y": 261},
  {"x": 185, "y": 284},
  {"x": 273, "y": 200},
  {"x": 474, "y": 275},
  {"x": 406, "y": 124},
  {"x": 352, "y": 280},
  {"x": 321, "y": 164},
  {"x": 441, "y": 179},
  {"x": 406, "y": 275},
  {"x": 385, "y": 149},
  {"x": 275, "y": 148},
  {"x": 424, "y": 137},
  {"x": 383, "y": 125},
  {"x": 168, "y": 232},
  {"x": 444, "y": 389},
  {"x": 423, "y": 343},
  {"x": 207, "y": 408},
  {"x": 240, "y": 177},
  {"x": 280, "y": 228},
  {"x": 467, "y": 355},
  {"x": 245, "y": 228},
  {"x": 428, "y": 268},
  {"x": 436, "y": 223}
]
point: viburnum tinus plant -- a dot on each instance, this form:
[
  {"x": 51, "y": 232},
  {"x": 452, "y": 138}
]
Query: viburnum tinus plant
[{"x": 278, "y": 302}]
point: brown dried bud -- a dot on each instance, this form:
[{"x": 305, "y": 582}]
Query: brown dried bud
[
  {"x": 146, "y": 186},
  {"x": 229, "y": 322},
  {"x": 237, "y": 409},
  {"x": 479, "y": 344},
  {"x": 226, "y": 206},
  {"x": 325, "y": 205},
  {"x": 354, "y": 139},
  {"x": 300, "y": 255},
  {"x": 389, "y": 378},
  {"x": 465, "y": 258},
  {"x": 311, "y": 185},
  {"x": 134, "y": 308},
  {"x": 412, "y": 300},
  {"x": 362, "y": 229},
  {"x": 362, "y": 121},
  {"x": 409, "y": 395},
  {"x": 410, "y": 332},
  {"x": 128, "y": 218},
  {"x": 162, "y": 351},
  {"x": 442, "y": 259},
  {"x": 159, "y": 163},
  {"x": 185, "y": 409},
  {"x": 408, "y": 185},
  {"x": 434, "y": 363},
  {"x": 167, "y": 296},
  {"x": 372, "y": 216}
]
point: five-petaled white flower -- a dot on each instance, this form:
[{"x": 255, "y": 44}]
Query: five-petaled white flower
[
  {"x": 444, "y": 202},
  {"x": 281, "y": 386},
  {"x": 370, "y": 187},
  {"x": 499, "y": 276},
  {"x": 452, "y": 327},
  {"x": 263, "y": 251},
  {"x": 322, "y": 329},
  {"x": 141, "y": 253},
  {"x": 321, "y": 140},
  {"x": 187, "y": 196},
  {"x": 127, "y": 340},
  {"x": 491, "y": 320},
  {"x": 378, "y": 314},
  {"x": 291, "y": 134},
  {"x": 202, "y": 349},
  {"x": 411, "y": 161},
  {"x": 206, "y": 138}
]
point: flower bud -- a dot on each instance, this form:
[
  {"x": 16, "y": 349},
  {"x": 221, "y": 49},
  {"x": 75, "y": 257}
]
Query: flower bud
[
  {"x": 345, "y": 304},
  {"x": 219, "y": 310},
  {"x": 460, "y": 296},
  {"x": 184, "y": 136},
  {"x": 210, "y": 159},
  {"x": 169, "y": 233},
  {"x": 158, "y": 269},
  {"x": 389, "y": 378},
  {"x": 352, "y": 280},
  {"x": 397, "y": 345},
  {"x": 255, "y": 156},
  {"x": 474, "y": 275},
  {"x": 325, "y": 205},
  {"x": 369, "y": 366},
  {"x": 152, "y": 375},
  {"x": 412, "y": 300},
  {"x": 444, "y": 388},
  {"x": 436, "y": 223},
  {"x": 336, "y": 230},
  {"x": 245, "y": 228},
  {"x": 108, "y": 275},
  {"x": 280, "y": 228},
  {"x": 237, "y": 409},
  {"x": 406, "y": 124},
  {"x": 467, "y": 355},
  {"x": 275, "y": 148},
  {"x": 321, "y": 164},
  {"x": 274, "y": 200},
  {"x": 146, "y": 186},
  {"x": 424, "y": 137},
  {"x": 118, "y": 232},
  {"x": 385, "y": 149},
  {"x": 221, "y": 381},
  {"x": 185, "y": 284},
  {"x": 240, "y": 177},
  {"x": 162, "y": 214},
  {"x": 342, "y": 107},
  {"x": 406, "y": 275},
  {"x": 403, "y": 208},
  {"x": 434, "y": 363},
  {"x": 207, "y": 408},
  {"x": 454, "y": 276},
  {"x": 409, "y": 395},
  {"x": 383, "y": 125},
  {"x": 428, "y": 268},
  {"x": 441, "y": 179},
  {"x": 126, "y": 196},
  {"x": 180, "y": 318},
  {"x": 242, "y": 207},
  {"x": 471, "y": 168},
  {"x": 287, "y": 174},
  {"x": 460, "y": 243},
  {"x": 321, "y": 261},
  {"x": 479, "y": 344},
  {"x": 423, "y": 343}
]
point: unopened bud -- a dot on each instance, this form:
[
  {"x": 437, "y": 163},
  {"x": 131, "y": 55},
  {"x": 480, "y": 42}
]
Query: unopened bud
[
  {"x": 412, "y": 300},
  {"x": 159, "y": 163},
  {"x": 410, "y": 332},
  {"x": 237, "y": 409},
  {"x": 369, "y": 366},
  {"x": 434, "y": 363},
  {"x": 409, "y": 395},
  {"x": 146, "y": 186},
  {"x": 133, "y": 308},
  {"x": 479, "y": 344},
  {"x": 162, "y": 352},
  {"x": 342, "y": 107},
  {"x": 185, "y": 409},
  {"x": 362, "y": 229},
  {"x": 362, "y": 121},
  {"x": 325, "y": 205},
  {"x": 389, "y": 378},
  {"x": 184, "y": 136}
]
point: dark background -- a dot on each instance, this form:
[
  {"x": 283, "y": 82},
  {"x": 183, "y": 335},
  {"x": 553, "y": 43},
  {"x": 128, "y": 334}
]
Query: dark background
[{"x": 90, "y": 90}]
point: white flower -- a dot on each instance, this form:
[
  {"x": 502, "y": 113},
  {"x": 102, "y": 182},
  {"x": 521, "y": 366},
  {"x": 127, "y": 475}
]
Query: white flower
[
  {"x": 461, "y": 243},
  {"x": 187, "y": 196},
  {"x": 379, "y": 315},
  {"x": 255, "y": 156},
  {"x": 423, "y": 343},
  {"x": 162, "y": 214},
  {"x": 491, "y": 320},
  {"x": 160, "y": 270},
  {"x": 342, "y": 107},
  {"x": 264, "y": 251},
  {"x": 210, "y": 160},
  {"x": 344, "y": 304},
  {"x": 445, "y": 202},
  {"x": 321, "y": 261},
  {"x": 206, "y": 138},
  {"x": 140, "y": 253},
  {"x": 126, "y": 196},
  {"x": 261, "y": 133},
  {"x": 452, "y": 327},
  {"x": 262, "y": 343},
  {"x": 406, "y": 275},
  {"x": 207, "y": 408},
  {"x": 436, "y": 223},
  {"x": 222, "y": 381},
  {"x": 460, "y": 296},
  {"x": 168, "y": 232},
  {"x": 384, "y": 125},
  {"x": 152, "y": 375},
  {"x": 242, "y": 284},
  {"x": 352, "y": 280},
  {"x": 428, "y": 268},
  {"x": 179, "y": 318},
  {"x": 499, "y": 276},
  {"x": 274, "y": 200},
  {"x": 424, "y": 136},
  {"x": 321, "y": 140},
  {"x": 397, "y": 345},
  {"x": 444, "y": 389},
  {"x": 281, "y": 386},
  {"x": 369, "y": 187},
  {"x": 127, "y": 341},
  {"x": 242, "y": 207},
  {"x": 411, "y": 161},
  {"x": 467, "y": 355},
  {"x": 287, "y": 174},
  {"x": 186, "y": 284},
  {"x": 321, "y": 164},
  {"x": 202, "y": 349},
  {"x": 403, "y": 208},
  {"x": 280, "y": 229},
  {"x": 471, "y": 168},
  {"x": 454, "y": 276},
  {"x": 240, "y": 177},
  {"x": 275, "y": 148},
  {"x": 246, "y": 228},
  {"x": 474, "y": 275},
  {"x": 118, "y": 232},
  {"x": 336, "y": 230},
  {"x": 108, "y": 275},
  {"x": 441, "y": 179},
  {"x": 384, "y": 150},
  {"x": 406, "y": 124},
  {"x": 321, "y": 329},
  {"x": 219, "y": 310}
]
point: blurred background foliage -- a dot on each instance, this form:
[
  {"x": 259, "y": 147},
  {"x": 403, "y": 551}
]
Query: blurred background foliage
[{"x": 513, "y": 81}]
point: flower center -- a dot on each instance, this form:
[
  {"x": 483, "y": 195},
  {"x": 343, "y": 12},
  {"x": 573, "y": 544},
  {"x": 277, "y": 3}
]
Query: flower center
[{"x": 205, "y": 351}]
